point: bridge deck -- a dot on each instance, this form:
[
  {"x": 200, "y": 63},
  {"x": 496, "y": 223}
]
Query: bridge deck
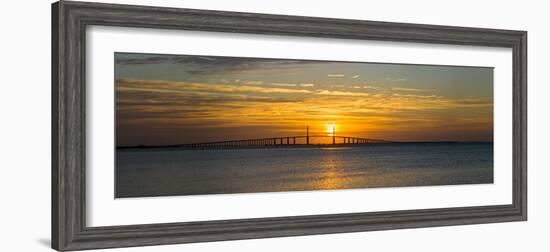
[{"x": 280, "y": 142}]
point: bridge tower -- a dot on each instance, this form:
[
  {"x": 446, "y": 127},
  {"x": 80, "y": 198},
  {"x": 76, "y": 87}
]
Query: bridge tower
[
  {"x": 307, "y": 134},
  {"x": 333, "y": 134}
]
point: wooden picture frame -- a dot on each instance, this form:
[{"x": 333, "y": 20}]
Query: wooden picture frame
[{"x": 69, "y": 21}]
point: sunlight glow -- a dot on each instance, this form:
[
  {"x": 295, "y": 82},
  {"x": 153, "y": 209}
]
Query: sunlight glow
[{"x": 331, "y": 128}]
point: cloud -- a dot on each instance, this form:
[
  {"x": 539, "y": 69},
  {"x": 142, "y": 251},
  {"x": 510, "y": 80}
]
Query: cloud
[
  {"x": 472, "y": 103},
  {"x": 284, "y": 84},
  {"x": 154, "y": 97},
  {"x": 252, "y": 82},
  {"x": 371, "y": 87},
  {"x": 172, "y": 87},
  {"x": 175, "y": 86},
  {"x": 196, "y": 64},
  {"x": 396, "y": 79},
  {"x": 335, "y": 75},
  {"x": 408, "y": 89},
  {"x": 416, "y": 96},
  {"x": 355, "y": 77},
  {"x": 143, "y": 105},
  {"x": 341, "y": 93}
]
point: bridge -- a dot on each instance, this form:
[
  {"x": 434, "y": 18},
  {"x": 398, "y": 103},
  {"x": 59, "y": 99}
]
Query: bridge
[{"x": 286, "y": 141}]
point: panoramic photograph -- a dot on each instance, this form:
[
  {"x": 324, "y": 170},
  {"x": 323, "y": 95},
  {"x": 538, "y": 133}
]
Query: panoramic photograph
[{"x": 202, "y": 125}]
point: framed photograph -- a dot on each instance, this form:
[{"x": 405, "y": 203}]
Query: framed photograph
[{"x": 178, "y": 125}]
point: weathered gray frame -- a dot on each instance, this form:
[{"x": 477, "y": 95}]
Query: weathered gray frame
[{"x": 69, "y": 20}]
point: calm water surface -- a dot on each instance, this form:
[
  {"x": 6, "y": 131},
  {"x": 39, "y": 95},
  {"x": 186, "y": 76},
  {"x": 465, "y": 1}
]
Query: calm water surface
[{"x": 158, "y": 172}]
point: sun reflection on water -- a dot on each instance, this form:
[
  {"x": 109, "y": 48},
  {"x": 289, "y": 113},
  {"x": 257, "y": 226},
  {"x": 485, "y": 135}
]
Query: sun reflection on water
[{"x": 332, "y": 174}]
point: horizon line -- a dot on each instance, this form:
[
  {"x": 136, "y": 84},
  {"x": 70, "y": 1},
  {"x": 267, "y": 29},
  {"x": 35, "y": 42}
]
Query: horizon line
[{"x": 302, "y": 145}]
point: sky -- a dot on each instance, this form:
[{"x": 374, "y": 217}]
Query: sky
[{"x": 177, "y": 99}]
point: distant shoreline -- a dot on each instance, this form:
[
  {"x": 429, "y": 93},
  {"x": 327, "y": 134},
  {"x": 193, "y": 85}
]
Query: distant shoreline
[{"x": 186, "y": 147}]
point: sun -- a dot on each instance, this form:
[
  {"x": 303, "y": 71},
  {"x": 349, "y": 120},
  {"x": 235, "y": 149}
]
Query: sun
[{"x": 331, "y": 129}]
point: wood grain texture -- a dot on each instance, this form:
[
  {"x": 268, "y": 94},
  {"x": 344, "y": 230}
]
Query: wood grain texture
[{"x": 69, "y": 21}]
